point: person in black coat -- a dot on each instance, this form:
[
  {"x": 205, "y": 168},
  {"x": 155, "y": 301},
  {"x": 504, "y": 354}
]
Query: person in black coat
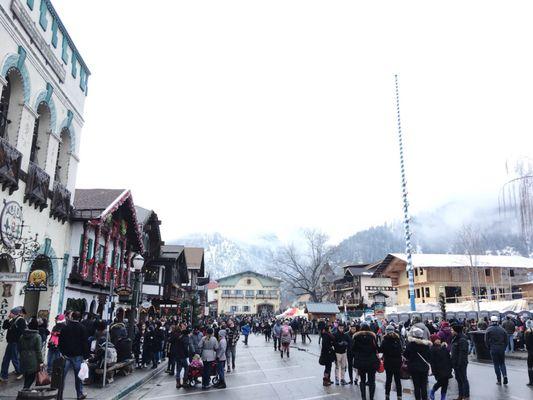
[
  {"x": 418, "y": 355},
  {"x": 365, "y": 350},
  {"x": 353, "y": 331},
  {"x": 327, "y": 354},
  {"x": 150, "y": 346},
  {"x": 459, "y": 354},
  {"x": 180, "y": 350},
  {"x": 441, "y": 365},
  {"x": 528, "y": 339},
  {"x": 391, "y": 347}
]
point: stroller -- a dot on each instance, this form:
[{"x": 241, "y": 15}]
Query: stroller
[{"x": 195, "y": 371}]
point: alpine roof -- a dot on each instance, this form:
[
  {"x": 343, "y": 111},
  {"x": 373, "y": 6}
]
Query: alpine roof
[
  {"x": 322, "y": 308},
  {"x": 194, "y": 257},
  {"x": 95, "y": 199},
  {"x": 457, "y": 261},
  {"x": 234, "y": 279}
]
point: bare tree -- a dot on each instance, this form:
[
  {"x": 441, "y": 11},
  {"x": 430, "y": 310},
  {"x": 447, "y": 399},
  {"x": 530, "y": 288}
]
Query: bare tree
[
  {"x": 470, "y": 243},
  {"x": 517, "y": 197},
  {"x": 303, "y": 269}
]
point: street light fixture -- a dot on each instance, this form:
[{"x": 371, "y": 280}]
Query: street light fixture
[{"x": 138, "y": 264}]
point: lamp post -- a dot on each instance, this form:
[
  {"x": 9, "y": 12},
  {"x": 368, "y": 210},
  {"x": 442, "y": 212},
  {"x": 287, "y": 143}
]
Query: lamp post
[{"x": 138, "y": 263}]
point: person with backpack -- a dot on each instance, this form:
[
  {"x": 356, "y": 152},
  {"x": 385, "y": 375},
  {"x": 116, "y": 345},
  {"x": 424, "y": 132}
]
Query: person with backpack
[
  {"x": 246, "y": 332},
  {"x": 232, "y": 340},
  {"x": 276, "y": 335},
  {"x": 418, "y": 355},
  {"x": 285, "y": 338},
  {"x": 15, "y": 325},
  {"x": 327, "y": 353},
  {"x": 365, "y": 350},
  {"x": 441, "y": 366},
  {"x": 53, "y": 343},
  {"x": 391, "y": 347},
  {"x": 341, "y": 358}
]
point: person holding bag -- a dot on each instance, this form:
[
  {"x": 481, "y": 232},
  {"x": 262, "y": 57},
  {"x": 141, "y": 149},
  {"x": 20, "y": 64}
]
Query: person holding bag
[
  {"x": 31, "y": 357},
  {"x": 208, "y": 347},
  {"x": 417, "y": 353},
  {"x": 327, "y": 354}
]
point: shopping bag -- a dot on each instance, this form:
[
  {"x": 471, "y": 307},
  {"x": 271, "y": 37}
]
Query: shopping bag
[
  {"x": 381, "y": 367},
  {"x": 84, "y": 371},
  {"x": 42, "y": 378}
]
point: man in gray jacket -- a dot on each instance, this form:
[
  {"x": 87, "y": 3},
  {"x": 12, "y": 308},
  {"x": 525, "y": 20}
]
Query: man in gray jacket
[
  {"x": 496, "y": 341},
  {"x": 221, "y": 358},
  {"x": 276, "y": 334}
]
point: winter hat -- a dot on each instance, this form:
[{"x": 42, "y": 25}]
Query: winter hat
[
  {"x": 529, "y": 324},
  {"x": 222, "y": 333},
  {"x": 417, "y": 333},
  {"x": 434, "y": 338},
  {"x": 60, "y": 318},
  {"x": 494, "y": 318},
  {"x": 16, "y": 310},
  {"x": 390, "y": 328},
  {"x": 457, "y": 328},
  {"x": 444, "y": 324}
]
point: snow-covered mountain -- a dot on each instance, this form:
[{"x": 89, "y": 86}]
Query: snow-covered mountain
[{"x": 225, "y": 256}]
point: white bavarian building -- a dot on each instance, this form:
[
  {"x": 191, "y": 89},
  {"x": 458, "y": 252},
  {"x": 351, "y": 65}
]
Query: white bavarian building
[{"x": 43, "y": 85}]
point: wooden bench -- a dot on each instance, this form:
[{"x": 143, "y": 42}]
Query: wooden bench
[{"x": 122, "y": 368}]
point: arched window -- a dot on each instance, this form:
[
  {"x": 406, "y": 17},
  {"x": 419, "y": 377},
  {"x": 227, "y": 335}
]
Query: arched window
[
  {"x": 11, "y": 102},
  {"x": 41, "y": 135},
  {"x": 63, "y": 158}
]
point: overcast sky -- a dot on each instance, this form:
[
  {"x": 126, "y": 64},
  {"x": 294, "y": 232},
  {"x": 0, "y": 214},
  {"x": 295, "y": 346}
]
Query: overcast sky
[{"x": 247, "y": 117}]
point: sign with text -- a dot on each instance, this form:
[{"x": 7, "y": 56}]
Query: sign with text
[
  {"x": 13, "y": 276},
  {"x": 381, "y": 288}
]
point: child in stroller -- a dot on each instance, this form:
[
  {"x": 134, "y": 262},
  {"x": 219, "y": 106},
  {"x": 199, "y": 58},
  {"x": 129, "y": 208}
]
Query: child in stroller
[{"x": 195, "y": 370}]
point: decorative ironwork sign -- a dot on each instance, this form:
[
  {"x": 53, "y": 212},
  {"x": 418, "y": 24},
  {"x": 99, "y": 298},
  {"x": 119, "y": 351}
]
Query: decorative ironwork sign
[
  {"x": 381, "y": 288},
  {"x": 37, "y": 281},
  {"x": 11, "y": 224},
  {"x": 123, "y": 291}
]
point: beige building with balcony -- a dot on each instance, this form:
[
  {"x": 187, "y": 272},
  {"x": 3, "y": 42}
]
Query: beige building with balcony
[{"x": 248, "y": 293}]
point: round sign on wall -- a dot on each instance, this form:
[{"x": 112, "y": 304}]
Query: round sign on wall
[{"x": 11, "y": 224}]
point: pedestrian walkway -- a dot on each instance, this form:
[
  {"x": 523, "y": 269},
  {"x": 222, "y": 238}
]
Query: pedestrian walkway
[
  {"x": 262, "y": 374},
  {"x": 121, "y": 386}
]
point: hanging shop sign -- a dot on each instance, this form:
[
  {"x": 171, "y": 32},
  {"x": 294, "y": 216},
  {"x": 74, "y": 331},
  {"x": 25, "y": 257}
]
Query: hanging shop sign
[
  {"x": 123, "y": 291},
  {"x": 13, "y": 276},
  {"x": 11, "y": 224},
  {"x": 37, "y": 281}
]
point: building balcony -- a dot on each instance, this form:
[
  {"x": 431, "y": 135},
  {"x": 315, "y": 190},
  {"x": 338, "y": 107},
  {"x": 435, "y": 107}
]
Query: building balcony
[
  {"x": 233, "y": 296},
  {"x": 171, "y": 291},
  {"x": 60, "y": 207},
  {"x": 267, "y": 296},
  {"x": 10, "y": 161},
  {"x": 37, "y": 185}
]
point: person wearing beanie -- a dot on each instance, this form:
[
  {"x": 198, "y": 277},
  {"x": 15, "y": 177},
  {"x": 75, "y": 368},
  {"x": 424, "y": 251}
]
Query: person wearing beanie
[
  {"x": 417, "y": 353},
  {"x": 208, "y": 347},
  {"x": 14, "y": 325},
  {"x": 459, "y": 356},
  {"x": 529, "y": 347},
  {"x": 31, "y": 357},
  {"x": 221, "y": 359},
  {"x": 391, "y": 347},
  {"x": 441, "y": 366},
  {"x": 179, "y": 348},
  {"x": 496, "y": 341}
]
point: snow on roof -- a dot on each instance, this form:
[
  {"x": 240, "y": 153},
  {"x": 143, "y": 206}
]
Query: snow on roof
[
  {"x": 461, "y": 260},
  {"x": 322, "y": 308}
]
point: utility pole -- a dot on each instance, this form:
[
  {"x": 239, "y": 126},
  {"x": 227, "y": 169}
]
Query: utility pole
[{"x": 406, "y": 218}]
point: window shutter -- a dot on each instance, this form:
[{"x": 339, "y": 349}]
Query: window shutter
[
  {"x": 74, "y": 70},
  {"x": 42, "y": 18},
  {"x": 54, "y": 33},
  {"x": 64, "y": 54},
  {"x": 30, "y": 4},
  {"x": 90, "y": 250},
  {"x": 81, "y": 245}
]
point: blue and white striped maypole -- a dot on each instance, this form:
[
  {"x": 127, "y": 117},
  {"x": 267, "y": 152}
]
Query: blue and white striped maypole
[{"x": 406, "y": 218}]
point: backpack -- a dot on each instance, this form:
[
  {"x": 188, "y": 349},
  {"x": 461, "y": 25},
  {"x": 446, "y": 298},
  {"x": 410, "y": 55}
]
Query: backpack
[{"x": 285, "y": 330}]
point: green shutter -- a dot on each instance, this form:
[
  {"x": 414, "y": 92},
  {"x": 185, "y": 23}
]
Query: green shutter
[
  {"x": 54, "y": 32},
  {"x": 42, "y": 18},
  {"x": 83, "y": 77},
  {"x": 74, "y": 70},
  {"x": 30, "y": 4},
  {"x": 81, "y": 245},
  {"x": 90, "y": 250},
  {"x": 64, "y": 54}
]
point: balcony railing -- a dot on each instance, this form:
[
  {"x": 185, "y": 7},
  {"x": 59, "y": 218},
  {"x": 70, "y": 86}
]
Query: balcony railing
[
  {"x": 37, "y": 186},
  {"x": 266, "y": 296},
  {"x": 232, "y": 296},
  {"x": 10, "y": 161},
  {"x": 60, "y": 207}
]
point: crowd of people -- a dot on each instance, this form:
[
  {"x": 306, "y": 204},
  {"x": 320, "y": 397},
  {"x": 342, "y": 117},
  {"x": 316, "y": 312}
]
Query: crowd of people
[{"x": 204, "y": 352}]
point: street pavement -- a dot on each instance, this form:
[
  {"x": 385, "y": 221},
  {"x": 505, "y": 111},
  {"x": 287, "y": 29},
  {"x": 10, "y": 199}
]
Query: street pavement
[{"x": 262, "y": 374}]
